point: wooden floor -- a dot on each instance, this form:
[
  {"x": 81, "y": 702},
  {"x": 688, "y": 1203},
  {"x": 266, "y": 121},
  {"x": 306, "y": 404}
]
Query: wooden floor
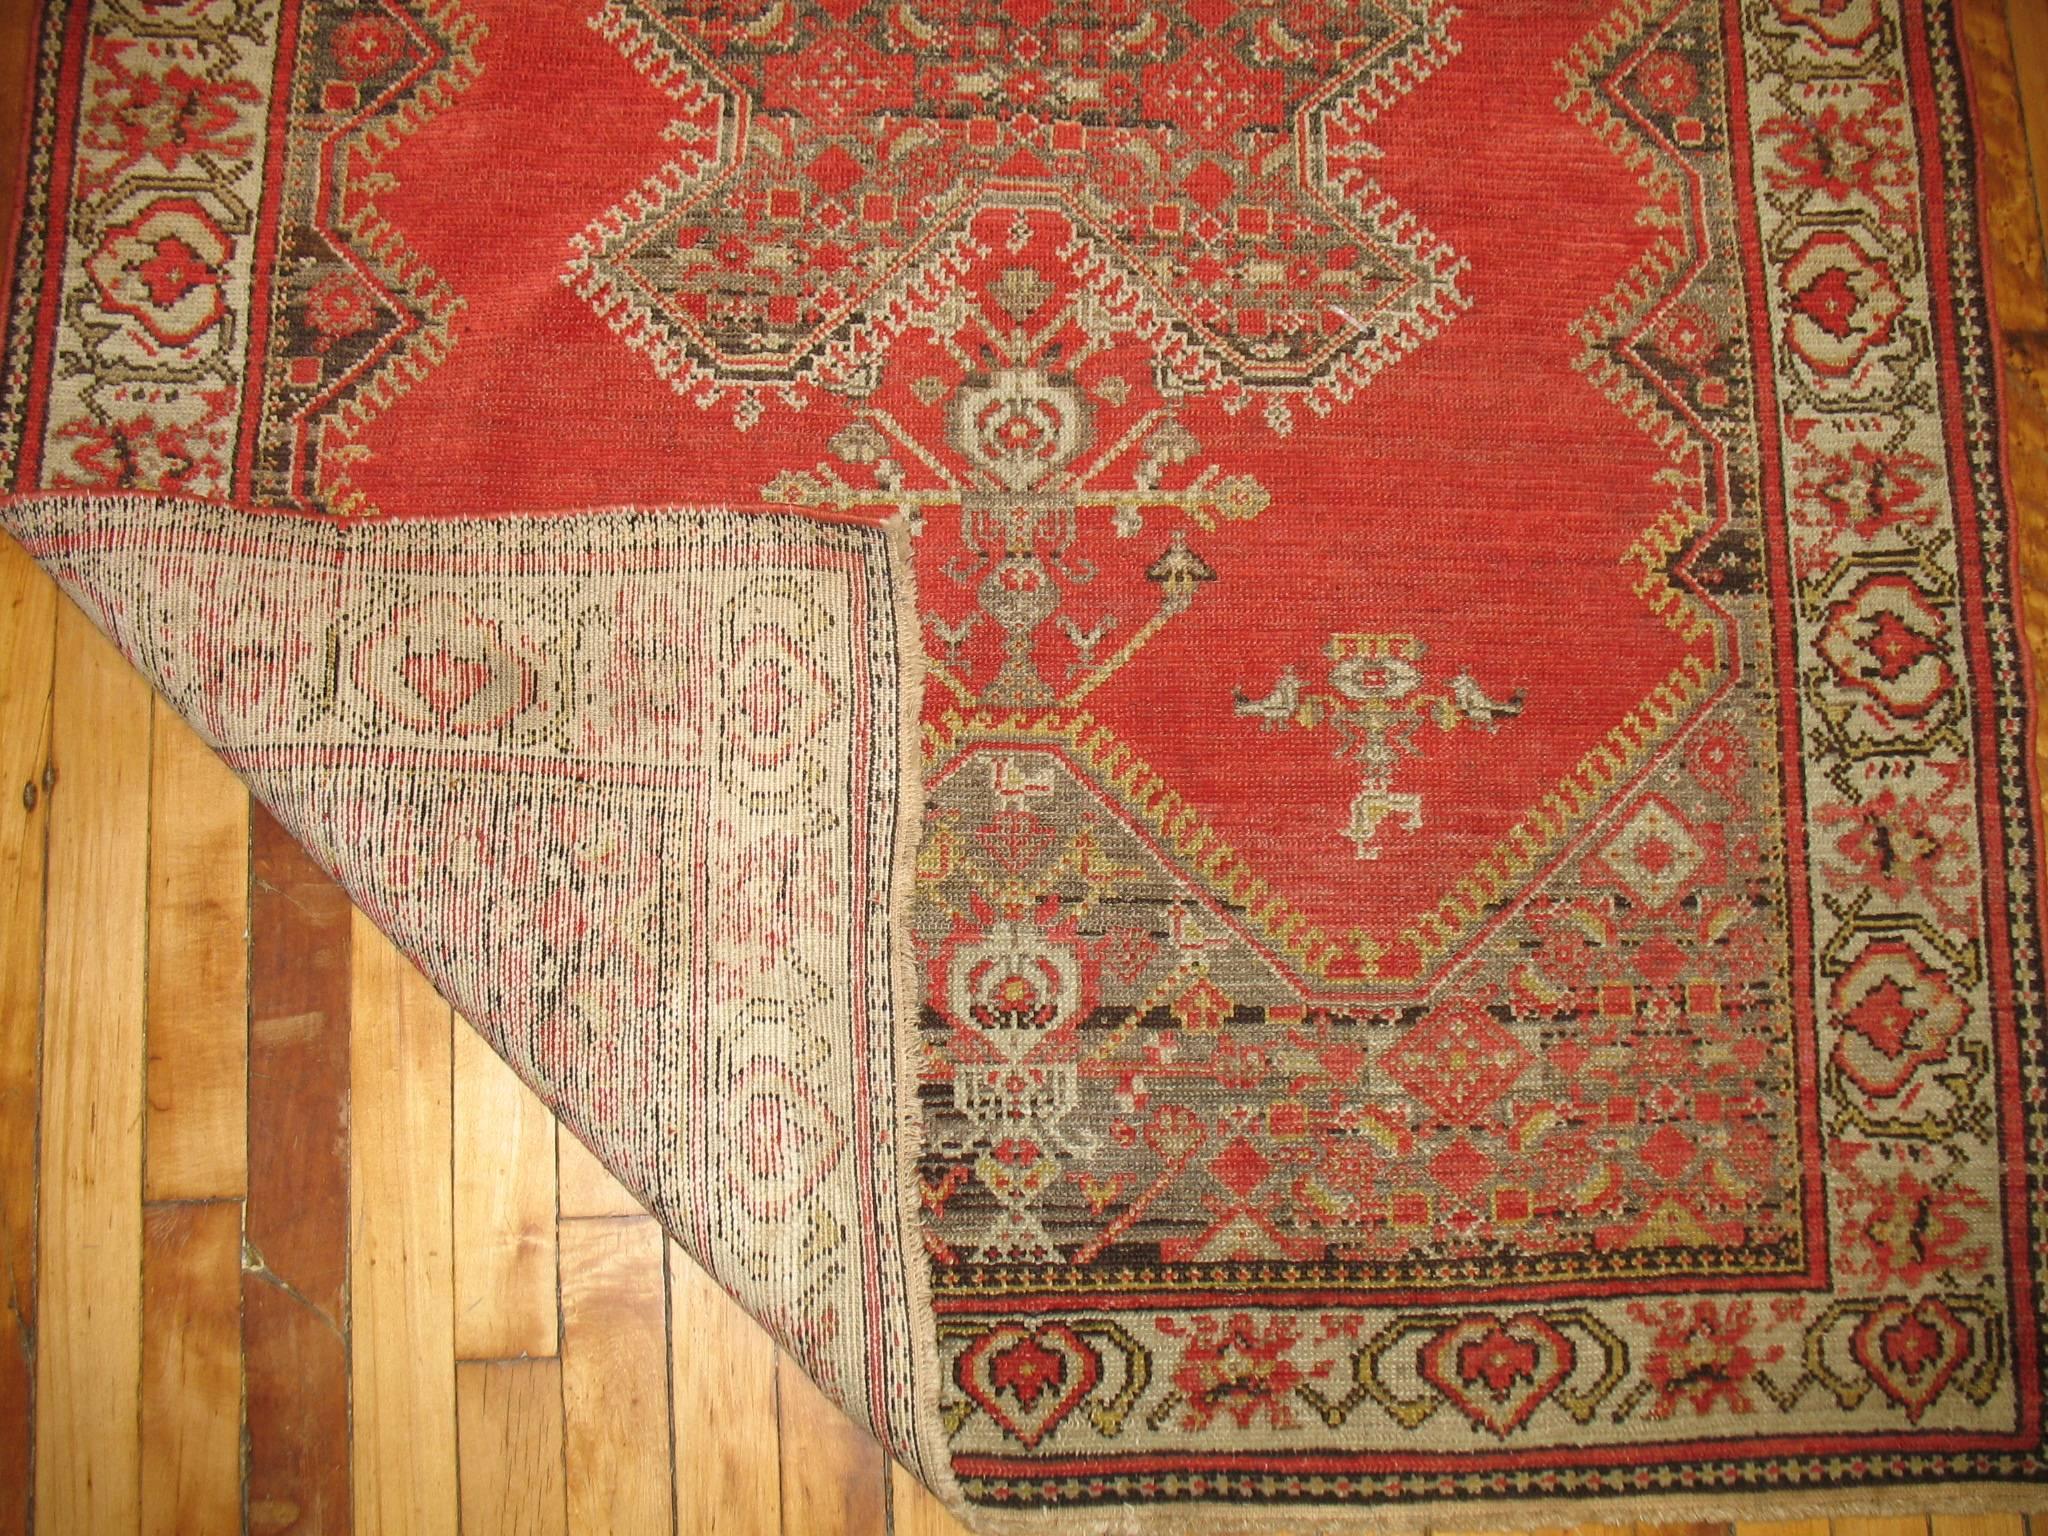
[{"x": 285, "y": 1249}]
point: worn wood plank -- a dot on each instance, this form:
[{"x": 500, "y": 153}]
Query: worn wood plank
[
  {"x": 295, "y": 1366},
  {"x": 1891, "y": 1525},
  {"x": 2008, "y": 58},
  {"x": 1781, "y": 1528},
  {"x": 2013, "y": 249},
  {"x": 296, "y": 1258},
  {"x": 504, "y": 1209},
  {"x": 2008, "y": 48},
  {"x": 28, "y": 634},
  {"x": 587, "y": 1187},
  {"x": 28, "y": 616},
  {"x": 2012, "y": 216},
  {"x": 722, "y": 1373},
  {"x": 17, "y": 47},
  {"x": 401, "y": 1244},
  {"x": 615, "y": 1413},
  {"x": 192, "y": 1368},
  {"x": 197, "y": 1146},
  {"x": 914, "y": 1510},
  {"x": 2027, "y": 20},
  {"x": 510, "y": 1413},
  {"x": 835, "y": 1478},
  {"x": 89, "y": 1239},
  {"x": 2009, "y": 70},
  {"x": 1977, "y": 1525}
]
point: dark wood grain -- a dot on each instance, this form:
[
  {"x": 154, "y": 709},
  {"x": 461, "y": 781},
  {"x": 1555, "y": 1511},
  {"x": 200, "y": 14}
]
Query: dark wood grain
[{"x": 295, "y": 1266}]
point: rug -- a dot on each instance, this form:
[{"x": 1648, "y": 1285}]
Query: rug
[{"x": 1271, "y": 758}]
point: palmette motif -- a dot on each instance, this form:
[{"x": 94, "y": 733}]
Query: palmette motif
[{"x": 1475, "y": 930}]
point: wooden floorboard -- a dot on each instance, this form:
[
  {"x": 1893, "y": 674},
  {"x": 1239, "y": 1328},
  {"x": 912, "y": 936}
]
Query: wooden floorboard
[
  {"x": 915, "y": 1511},
  {"x": 1781, "y": 1528},
  {"x": 834, "y": 1476},
  {"x": 198, "y": 1074},
  {"x": 586, "y": 1189},
  {"x": 510, "y": 1413},
  {"x": 28, "y": 637},
  {"x": 615, "y": 1405},
  {"x": 283, "y": 1249},
  {"x": 2027, "y": 117},
  {"x": 295, "y": 1261},
  {"x": 722, "y": 1382},
  {"x": 192, "y": 1368},
  {"x": 28, "y": 618},
  {"x": 505, "y": 1273},
  {"x": 1977, "y": 1525},
  {"x": 89, "y": 1228},
  {"x": 401, "y": 1244}
]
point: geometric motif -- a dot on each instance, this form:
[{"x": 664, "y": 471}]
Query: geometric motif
[
  {"x": 1654, "y": 855},
  {"x": 1121, "y": 1082},
  {"x": 1457, "y": 1061},
  {"x": 829, "y": 159},
  {"x": 355, "y": 317}
]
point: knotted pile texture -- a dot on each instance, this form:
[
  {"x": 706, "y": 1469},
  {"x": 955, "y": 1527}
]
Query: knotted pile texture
[{"x": 1269, "y": 756}]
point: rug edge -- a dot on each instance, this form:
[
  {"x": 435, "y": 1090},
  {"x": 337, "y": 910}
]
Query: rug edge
[
  {"x": 1218, "y": 1519},
  {"x": 927, "y": 1430}
]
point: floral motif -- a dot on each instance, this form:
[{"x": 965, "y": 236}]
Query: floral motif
[
  {"x": 1854, "y": 155},
  {"x": 1898, "y": 1015},
  {"x": 1905, "y": 1229},
  {"x": 1234, "y": 1369},
  {"x": 367, "y": 45},
  {"x": 168, "y": 116},
  {"x": 1843, "y": 305},
  {"x": 165, "y": 268},
  {"x": 1699, "y": 1356},
  {"x": 338, "y": 306}
]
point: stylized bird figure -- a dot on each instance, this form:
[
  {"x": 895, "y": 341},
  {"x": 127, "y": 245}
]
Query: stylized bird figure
[{"x": 1277, "y": 707}]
